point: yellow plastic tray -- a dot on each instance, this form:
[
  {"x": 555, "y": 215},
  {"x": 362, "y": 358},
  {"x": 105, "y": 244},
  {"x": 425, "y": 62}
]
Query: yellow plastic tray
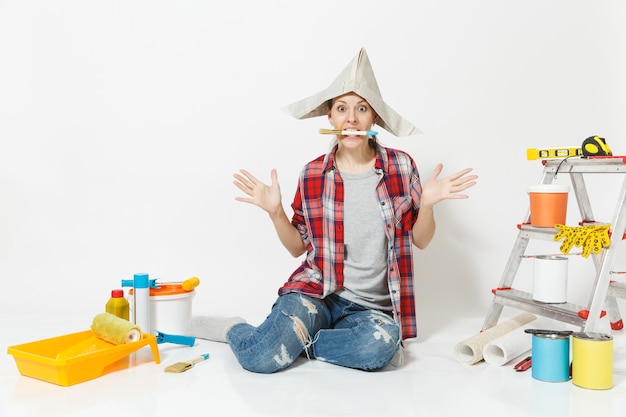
[{"x": 74, "y": 358}]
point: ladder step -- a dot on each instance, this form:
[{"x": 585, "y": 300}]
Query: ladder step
[
  {"x": 565, "y": 312},
  {"x": 534, "y": 232},
  {"x": 587, "y": 165},
  {"x": 617, "y": 289}
]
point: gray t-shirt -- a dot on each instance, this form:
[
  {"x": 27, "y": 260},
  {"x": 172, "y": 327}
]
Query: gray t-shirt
[{"x": 365, "y": 263}]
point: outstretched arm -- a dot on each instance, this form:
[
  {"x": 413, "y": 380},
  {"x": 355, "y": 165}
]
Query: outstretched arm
[
  {"x": 268, "y": 197},
  {"x": 434, "y": 191}
]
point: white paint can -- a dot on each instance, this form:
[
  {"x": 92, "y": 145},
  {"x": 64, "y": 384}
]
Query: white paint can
[
  {"x": 550, "y": 279},
  {"x": 170, "y": 308}
]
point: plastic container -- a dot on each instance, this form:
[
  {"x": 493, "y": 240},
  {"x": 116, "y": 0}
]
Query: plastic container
[
  {"x": 592, "y": 360},
  {"x": 139, "y": 300},
  {"x": 118, "y": 305},
  {"x": 550, "y": 279},
  {"x": 77, "y": 357},
  {"x": 548, "y": 204},
  {"x": 170, "y": 308},
  {"x": 550, "y": 356},
  {"x": 141, "y": 312}
]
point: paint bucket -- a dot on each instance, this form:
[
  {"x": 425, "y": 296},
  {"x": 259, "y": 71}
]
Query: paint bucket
[
  {"x": 550, "y": 356},
  {"x": 548, "y": 204},
  {"x": 550, "y": 279},
  {"x": 592, "y": 360},
  {"x": 170, "y": 308}
]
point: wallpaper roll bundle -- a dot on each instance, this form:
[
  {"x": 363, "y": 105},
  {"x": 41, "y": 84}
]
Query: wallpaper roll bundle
[
  {"x": 512, "y": 345},
  {"x": 114, "y": 329},
  {"x": 470, "y": 350}
]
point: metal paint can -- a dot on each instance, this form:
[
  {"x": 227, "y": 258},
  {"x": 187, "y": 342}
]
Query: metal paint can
[
  {"x": 550, "y": 356},
  {"x": 550, "y": 279},
  {"x": 592, "y": 360}
]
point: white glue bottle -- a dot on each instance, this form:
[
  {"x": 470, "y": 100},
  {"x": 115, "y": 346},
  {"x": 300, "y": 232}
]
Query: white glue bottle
[{"x": 141, "y": 301}]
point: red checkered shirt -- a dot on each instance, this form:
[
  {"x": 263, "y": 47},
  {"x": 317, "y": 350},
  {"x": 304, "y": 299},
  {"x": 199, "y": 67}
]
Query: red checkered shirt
[{"x": 318, "y": 216}]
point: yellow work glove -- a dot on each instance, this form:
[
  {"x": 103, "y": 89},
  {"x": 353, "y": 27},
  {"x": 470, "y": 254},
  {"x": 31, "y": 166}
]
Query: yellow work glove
[
  {"x": 591, "y": 238},
  {"x": 599, "y": 239},
  {"x": 565, "y": 232}
]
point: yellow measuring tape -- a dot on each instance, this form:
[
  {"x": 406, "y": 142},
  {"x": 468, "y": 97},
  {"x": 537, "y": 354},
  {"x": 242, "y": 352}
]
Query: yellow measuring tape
[{"x": 534, "y": 153}]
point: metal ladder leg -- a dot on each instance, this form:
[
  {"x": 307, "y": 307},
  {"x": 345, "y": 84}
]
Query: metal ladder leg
[
  {"x": 508, "y": 276},
  {"x": 599, "y": 295}
]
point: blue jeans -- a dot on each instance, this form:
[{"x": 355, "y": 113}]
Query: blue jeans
[{"x": 332, "y": 330}]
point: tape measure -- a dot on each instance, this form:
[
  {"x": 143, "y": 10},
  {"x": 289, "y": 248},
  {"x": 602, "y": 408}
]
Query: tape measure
[
  {"x": 596, "y": 146},
  {"x": 534, "y": 153}
]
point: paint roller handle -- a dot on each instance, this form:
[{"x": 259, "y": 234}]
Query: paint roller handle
[
  {"x": 176, "y": 339},
  {"x": 190, "y": 283},
  {"x": 548, "y": 332},
  {"x": 187, "y": 285}
]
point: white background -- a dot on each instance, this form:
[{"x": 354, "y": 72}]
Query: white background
[{"x": 122, "y": 122}]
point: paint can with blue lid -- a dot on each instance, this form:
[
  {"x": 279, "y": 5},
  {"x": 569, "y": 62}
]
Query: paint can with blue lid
[{"x": 550, "y": 356}]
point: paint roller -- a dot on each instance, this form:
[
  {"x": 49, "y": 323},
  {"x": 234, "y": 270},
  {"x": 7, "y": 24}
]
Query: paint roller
[
  {"x": 108, "y": 329},
  {"x": 115, "y": 330}
]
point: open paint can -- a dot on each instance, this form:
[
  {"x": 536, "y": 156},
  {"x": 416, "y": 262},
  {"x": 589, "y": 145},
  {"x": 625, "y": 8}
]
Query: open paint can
[
  {"x": 550, "y": 279},
  {"x": 550, "y": 356},
  {"x": 592, "y": 360}
]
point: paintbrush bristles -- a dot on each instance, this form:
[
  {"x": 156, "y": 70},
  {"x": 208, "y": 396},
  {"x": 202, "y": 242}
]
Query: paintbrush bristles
[
  {"x": 179, "y": 367},
  {"x": 184, "y": 366}
]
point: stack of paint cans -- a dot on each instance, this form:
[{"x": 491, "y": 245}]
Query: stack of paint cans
[{"x": 591, "y": 362}]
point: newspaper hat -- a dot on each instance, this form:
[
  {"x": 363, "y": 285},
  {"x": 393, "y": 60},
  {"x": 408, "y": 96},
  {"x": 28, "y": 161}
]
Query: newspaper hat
[{"x": 358, "y": 77}]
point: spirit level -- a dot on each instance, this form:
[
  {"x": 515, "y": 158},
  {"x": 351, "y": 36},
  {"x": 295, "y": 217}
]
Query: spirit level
[{"x": 534, "y": 153}]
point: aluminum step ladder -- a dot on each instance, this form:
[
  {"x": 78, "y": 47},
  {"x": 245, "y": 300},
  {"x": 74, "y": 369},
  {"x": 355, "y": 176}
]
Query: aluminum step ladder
[{"x": 602, "y": 299}]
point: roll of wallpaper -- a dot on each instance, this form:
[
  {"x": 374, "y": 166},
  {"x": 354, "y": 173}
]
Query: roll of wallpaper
[
  {"x": 514, "y": 344},
  {"x": 114, "y": 329},
  {"x": 470, "y": 350}
]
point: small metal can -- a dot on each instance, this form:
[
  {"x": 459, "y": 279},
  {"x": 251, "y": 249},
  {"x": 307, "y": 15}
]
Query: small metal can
[
  {"x": 550, "y": 357},
  {"x": 592, "y": 360}
]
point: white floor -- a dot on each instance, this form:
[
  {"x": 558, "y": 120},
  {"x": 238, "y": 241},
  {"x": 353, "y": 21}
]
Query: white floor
[{"x": 431, "y": 383}]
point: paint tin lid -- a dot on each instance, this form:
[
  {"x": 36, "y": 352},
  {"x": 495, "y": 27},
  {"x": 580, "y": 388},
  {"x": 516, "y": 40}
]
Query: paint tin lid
[
  {"x": 167, "y": 290},
  {"x": 554, "y": 336},
  {"x": 551, "y": 257},
  {"x": 548, "y": 188},
  {"x": 592, "y": 336}
]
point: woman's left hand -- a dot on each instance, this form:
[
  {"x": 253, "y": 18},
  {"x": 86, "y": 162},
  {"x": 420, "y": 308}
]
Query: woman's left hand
[{"x": 436, "y": 189}]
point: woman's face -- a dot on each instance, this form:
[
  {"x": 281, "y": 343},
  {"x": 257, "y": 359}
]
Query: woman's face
[{"x": 351, "y": 112}]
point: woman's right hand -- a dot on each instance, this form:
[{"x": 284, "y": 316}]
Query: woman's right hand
[{"x": 267, "y": 197}]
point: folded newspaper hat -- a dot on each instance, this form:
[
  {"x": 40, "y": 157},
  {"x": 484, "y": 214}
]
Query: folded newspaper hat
[{"x": 358, "y": 77}]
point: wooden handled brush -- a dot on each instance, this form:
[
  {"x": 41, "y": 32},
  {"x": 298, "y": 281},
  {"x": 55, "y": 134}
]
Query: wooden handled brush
[
  {"x": 348, "y": 132},
  {"x": 184, "y": 366}
]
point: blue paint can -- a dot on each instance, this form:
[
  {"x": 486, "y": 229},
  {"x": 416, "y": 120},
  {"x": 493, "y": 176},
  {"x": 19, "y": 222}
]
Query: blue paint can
[{"x": 550, "y": 357}]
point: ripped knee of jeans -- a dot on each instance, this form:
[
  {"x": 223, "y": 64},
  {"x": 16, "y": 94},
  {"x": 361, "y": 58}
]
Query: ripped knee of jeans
[
  {"x": 309, "y": 305},
  {"x": 379, "y": 319},
  {"x": 303, "y": 335}
]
